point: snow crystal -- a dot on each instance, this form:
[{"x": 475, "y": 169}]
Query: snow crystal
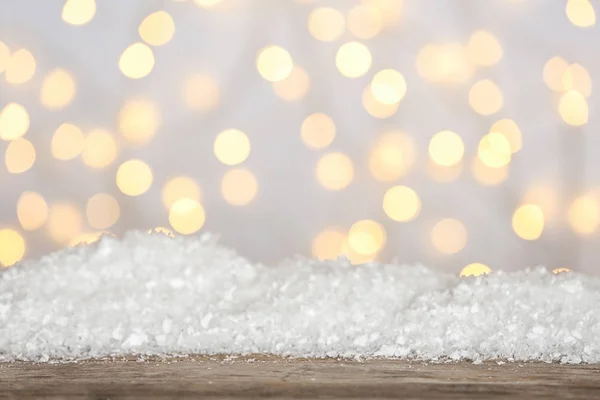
[{"x": 154, "y": 295}]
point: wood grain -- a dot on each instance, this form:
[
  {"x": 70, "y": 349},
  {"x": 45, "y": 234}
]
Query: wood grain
[{"x": 277, "y": 378}]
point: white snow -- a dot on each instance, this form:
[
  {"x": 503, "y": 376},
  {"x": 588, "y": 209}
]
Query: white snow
[{"x": 150, "y": 294}]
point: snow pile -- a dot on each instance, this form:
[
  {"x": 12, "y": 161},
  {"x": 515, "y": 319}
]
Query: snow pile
[{"x": 150, "y": 294}]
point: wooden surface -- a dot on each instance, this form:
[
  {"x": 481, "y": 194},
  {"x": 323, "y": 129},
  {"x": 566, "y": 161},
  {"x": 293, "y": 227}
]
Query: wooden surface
[{"x": 276, "y": 378}]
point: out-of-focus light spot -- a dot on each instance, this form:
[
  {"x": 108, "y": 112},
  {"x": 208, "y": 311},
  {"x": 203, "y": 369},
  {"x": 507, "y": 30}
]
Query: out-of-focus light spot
[
  {"x": 14, "y": 121},
  {"x": 64, "y": 222},
  {"x": 494, "y": 150},
  {"x": 573, "y": 108},
  {"x": 366, "y": 237},
  {"x": 136, "y": 61},
  {"x": 448, "y": 63},
  {"x": 67, "y": 142},
  {"x": 584, "y": 215},
  {"x": 393, "y": 155},
  {"x": 85, "y": 238},
  {"x": 576, "y": 77},
  {"x": 511, "y": 132},
  {"x": 487, "y": 175},
  {"x": 163, "y": 231},
  {"x": 32, "y": 211},
  {"x": 157, "y": 28},
  {"x": 12, "y": 247},
  {"x": 329, "y": 244},
  {"x": 102, "y": 211},
  {"x": 475, "y": 269},
  {"x": 19, "y": 156},
  {"x": 357, "y": 258},
  {"x": 58, "y": 89},
  {"x": 239, "y": 187},
  {"x": 443, "y": 173},
  {"x": 187, "y": 216},
  {"x": 484, "y": 49},
  {"x": 485, "y": 97},
  {"x": 335, "y": 171},
  {"x": 446, "y": 148},
  {"x": 207, "y": 3},
  {"x": 20, "y": 68},
  {"x": 353, "y": 59},
  {"x": 365, "y": 21},
  {"x": 178, "y": 188},
  {"x": 294, "y": 87},
  {"x": 138, "y": 121},
  {"x": 4, "y": 56},
  {"x": 78, "y": 12},
  {"x": 544, "y": 197},
  {"x": 318, "y": 131},
  {"x": 401, "y": 203},
  {"x": 134, "y": 177},
  {"x": 100, "y": 149},
  {"x": 388, "y": 86},
  {"x": 232, "y": 147},
  {"x": 201, "y": 92},
  {"x": 326, "y": 24},
  {"x": 581, "y": 13},
  {"x": 274, "y": 63},
  {"x": 528, "y": 221},
  {"x": 449, "y": 236},
  {"x": 553, "y": 73},
  {"x": 391, "y": 10},
  {"x": 560, "y": 270},
  {"x": 375, "y": 108}
]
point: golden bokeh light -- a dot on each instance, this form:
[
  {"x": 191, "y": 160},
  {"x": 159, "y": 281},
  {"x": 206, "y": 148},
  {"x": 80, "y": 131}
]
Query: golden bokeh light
[
  {"x": 560, "y": 270},
  {"x": 485, "y": 97},
  {"x": 335, "y": 171},
  {"x": 232, "y": 147},
  {"x": 138, "y": 121},
  {"x": 449, "y": 236},
  {"x": 239, "y": 187},
  {"x": 100, "y": 149},
  {"x": 554, "y": 72},
  {"x": 581, "y": 13},
  {"x": 446, "y": 148},
  {"x": 511, "y": 132},
  {"x": 392, "y": 156},
  {"x": 447, "y": 63},
  {"x": 388, "y": 86},
  {"x": 494, "y": 150},
  {"x": 136, "y": 61},
  {"x": 475, "y": 269},
  {"x": 484, "y": 49},
  {"x": 21, "y": 67},
  {"x": 64, "y": 222},
  {"x": 186, "y": 216},
  {"x": 85, "y": 238},
  {"x": 162, "y": 230},
  {"x": 157, "y": 28},
  {"x": 134, "y": 177},
  {"x": 207, "y": 3},
  {"x": 391, "y": 10},
  {"x": 19, "y": 156},
  {"x": 58, "y": 89},
  {"x": 365, "y": 21},
  {"x": 32, "y": 211},
  {"x": 329, "y": 244},
  {"x": 401, "y": 203},
  {"x": 274, "y": 63},
  {"x": 576, "y": 77},
  {"x": 14, "y": 121},
  {"x": 584, "y": 215},
  {"x": 326, "y": 24},
  {"x": 528, "y": 221},
  {"x": 487, "y": 175},
  {"x": 443, "y": 173},
  {"x": 78, "y": 12},
  {"x": 201, "y": 92},
  {"x": 4, "y": 56},
  {"x": 317, "y": 131},
  {"x": 178, "y": 188},
  {"x": 12, "y": 247},
  {"x": 294, "y": 87},
  {"x": 375, "y": 108},
  {"x": 353, "y": 59},
  {"x": 544, "y": 197},
  {"x": 67, "y": 142},
  {"x": 573, "y": 108},
  {"x": 102, "y": 211},
  {"x": 366, "y": 237}
]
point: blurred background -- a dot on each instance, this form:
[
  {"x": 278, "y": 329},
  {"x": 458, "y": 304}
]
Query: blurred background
[{"x": 451, "y": 133}]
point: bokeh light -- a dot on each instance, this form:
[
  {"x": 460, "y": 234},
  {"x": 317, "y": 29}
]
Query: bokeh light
[
  {"x": 231, "y": 147},
  {"x": 157, "y": 28},
  {"x": 584, "y": 215},
  {"x": 581, "y": 13},
  {"x": 134, "y": 177},
  {"x": 544, "y": 197},
  {"x": 446, "y": 148},
  {"x": 449, "y": 236},
  {"x": 484, "y": 49},
  {"x": 448, "y": 63},
  {"x": 366, "y": 237},
  {"x": 138, "y": 121},
  {"x": 239, "y": 187},
  {"x": 560, "y": 270},
  {"x": 180, "y": 187},
  {"x": 511, "y": 132},
  {"x": 388, "y": 86},
  {"x": 353, "y": 59},
  {"x": 201, "y": 92},
  {"x": 335, "y": 171},
  {"x": 67, "y": 142},
  {"x": 391, "y": 10},
  {"x": 21, "y": 67},
  {"x": 4, "y": 56},
  {"x": 487, "y": 175},
  {"x": 295, "y": 86},
  {"x": 78, "y": 12},
  {"x": 317, "y": 130},
  {"x": 32, "y": 211},
  {"x": 136, "y": 61},
  {"x": 58, "y": 89},
  {"x": 401, "y": 203},
  {"x": 207, "y": 3},
  {"x": 326, "y": 24},
  {"x": 274, "y": 63},
  {"x": 186, "y": 216},
  {"x": 64, "y": 222},
  {"x": 329, "y": 244},
  {"x": 19, "y": 156},
  {"x": 573, "y": 108},
  {"x": 392, "y": 156},
  {"x": 485, "y": 97},
  {"x": 528, "y": 221},
  {"x": 102, "y": 211},
  {"x": 365, "y": 21},
  {"x": 12, "y": 247},
  {"x": 85, "y": 238},
  {"x": 475, "y": 269},
  {"x": 14, "y": 121},
  {"x": 553, "y": 73},
  {"x": 100, "y": 149},
  {"x": 375, "y": 108},
  {"x": 494, "y": 150},
  {"x": 576, "y": 77}
]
